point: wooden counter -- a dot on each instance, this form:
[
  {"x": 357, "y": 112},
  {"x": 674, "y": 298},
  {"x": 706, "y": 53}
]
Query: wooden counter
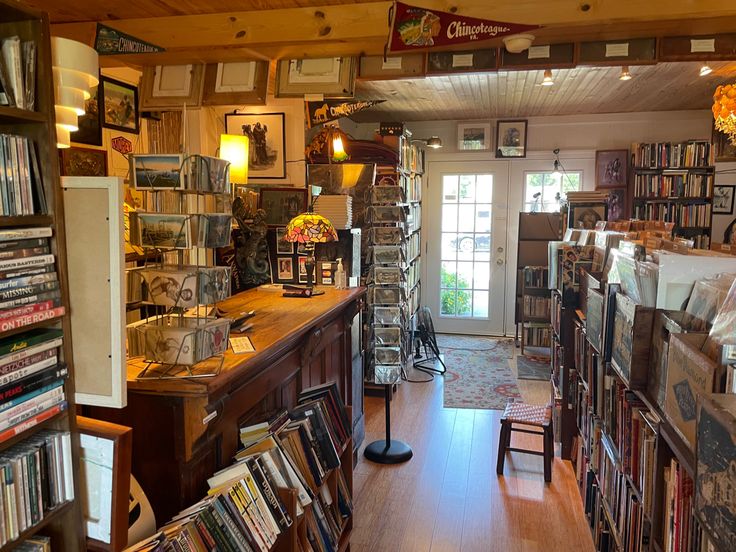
[{"x": 186, "y": 429}]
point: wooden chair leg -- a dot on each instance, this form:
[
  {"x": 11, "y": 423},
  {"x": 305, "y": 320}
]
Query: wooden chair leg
[
  {"x": 509, "y": 431},
  {"x": 548, "y": 453},
  {"x": 502, "y": 440}
]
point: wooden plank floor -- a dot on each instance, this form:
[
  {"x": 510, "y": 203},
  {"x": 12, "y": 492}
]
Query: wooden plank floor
[{"x": 448, "y": 497}]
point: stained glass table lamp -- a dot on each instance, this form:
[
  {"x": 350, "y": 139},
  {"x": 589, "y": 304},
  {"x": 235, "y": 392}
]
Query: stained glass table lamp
[{"x": 310, "y": 229}]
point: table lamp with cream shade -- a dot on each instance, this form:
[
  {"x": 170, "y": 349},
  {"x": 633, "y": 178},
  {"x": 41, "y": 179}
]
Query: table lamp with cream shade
[
  {"x": 235, "y": 149},
  {"x": 310, "y": 229}
]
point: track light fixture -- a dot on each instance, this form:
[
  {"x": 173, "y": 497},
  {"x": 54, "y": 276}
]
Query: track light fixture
[
  {"x": 625, "y": 74},
  {"x": 547, "y": 80}
]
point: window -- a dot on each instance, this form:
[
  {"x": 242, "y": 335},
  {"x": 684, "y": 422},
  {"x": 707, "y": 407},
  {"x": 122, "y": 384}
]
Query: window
[{"x": 548, "y": 185}]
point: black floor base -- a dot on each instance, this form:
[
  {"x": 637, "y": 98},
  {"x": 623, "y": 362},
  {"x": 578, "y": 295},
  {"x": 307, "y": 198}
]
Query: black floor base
[{"x": 397, "y": 453}]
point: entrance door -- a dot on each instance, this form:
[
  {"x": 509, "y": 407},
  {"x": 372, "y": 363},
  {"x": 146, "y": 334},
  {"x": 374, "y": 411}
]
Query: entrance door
[{"x": 465, "y": 218}]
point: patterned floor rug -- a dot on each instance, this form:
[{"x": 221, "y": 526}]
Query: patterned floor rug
[
  {"x": 478, "y": 373},
  {"x": 530, "y": 368}
]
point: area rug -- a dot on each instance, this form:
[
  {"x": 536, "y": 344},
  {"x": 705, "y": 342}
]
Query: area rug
[
  {"x": 530, "y": 368},
  {"x": 478, "y": 373}
]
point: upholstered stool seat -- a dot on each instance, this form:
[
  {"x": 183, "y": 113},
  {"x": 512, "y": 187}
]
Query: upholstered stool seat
[{"x": 528, "y": 415}]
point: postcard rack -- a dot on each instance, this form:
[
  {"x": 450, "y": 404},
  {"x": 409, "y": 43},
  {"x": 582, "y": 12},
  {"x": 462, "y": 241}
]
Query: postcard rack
[{"x": 187, "y": 216}]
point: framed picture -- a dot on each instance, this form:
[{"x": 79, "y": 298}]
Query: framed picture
[
  {"x": 611, "y": 168},
  {"x": 157, "y": 172},
  {"x": 723, "y": 200},
  {"x": 90, "y": 124},
  {"x": 725, "y": 151},
  {"x": 617, "y": 204},
  {"x": 286, "y": 268},
  {"x": 83, "y": 162},
  {"x": 282, "y": 204},
  {"x": 301, "y": 249},
  {"x": 105, "y": 455},
  {"x": 283, "y": 247},
  {"x": 120, "y": 105},
  {"x": 302, "y": 270},
  {"x": 474, "y": 136},
  {"x": 267, "y": 135},
  {"x": 511, "y": 139},
  {"x": 585, "y": 215}
]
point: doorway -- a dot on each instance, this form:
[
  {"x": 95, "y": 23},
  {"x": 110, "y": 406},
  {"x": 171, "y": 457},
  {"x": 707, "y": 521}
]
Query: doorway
[{"x": 466, "y": 214}]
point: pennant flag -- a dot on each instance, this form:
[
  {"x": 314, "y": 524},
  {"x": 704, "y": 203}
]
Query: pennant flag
[
  {"x": 329, "y": 110},
  {"x": 414, "y": 28},
  {"x": 109, "y": 41}
]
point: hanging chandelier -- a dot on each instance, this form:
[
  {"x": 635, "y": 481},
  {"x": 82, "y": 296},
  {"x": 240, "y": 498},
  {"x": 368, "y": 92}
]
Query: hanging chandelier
[{"x": 724, "y": 110}]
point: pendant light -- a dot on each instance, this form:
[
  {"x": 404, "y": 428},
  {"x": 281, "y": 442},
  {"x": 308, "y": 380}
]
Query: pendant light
[
  {"x": 556, "y": 172},
  {"x": 548, "y": 80},
  {"x": 705, "y": 70},
  {"x": 625, "y": 74}
]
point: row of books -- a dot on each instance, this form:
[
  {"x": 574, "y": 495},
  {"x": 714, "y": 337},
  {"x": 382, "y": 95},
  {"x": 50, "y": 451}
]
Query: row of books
[
  {"x": 245, "y": 510},
  {"x": 29, "y": 283},
  {"x": 21, "y": 182},
  {"x": 535, "y": 276},
  {"x": 36, "y": 476},
  {"x": 684, "y": 216},
  {"x": 680, "y": 185},
  {"x": 18, "y": 73},
  {"x": 536, "y": 306},
  {"x": 697, "y": 153},
  {"x": 537, "y": 336}
]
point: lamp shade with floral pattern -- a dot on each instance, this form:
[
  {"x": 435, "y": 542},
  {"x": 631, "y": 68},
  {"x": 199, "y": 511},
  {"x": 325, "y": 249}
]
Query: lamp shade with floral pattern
[{"x": 310, "y": 228}]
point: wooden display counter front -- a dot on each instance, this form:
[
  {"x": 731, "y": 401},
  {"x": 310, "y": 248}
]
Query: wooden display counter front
[{"x": 186, "y": 429}]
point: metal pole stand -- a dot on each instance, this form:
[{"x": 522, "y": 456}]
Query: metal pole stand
[{"x": 386, "y": 451}]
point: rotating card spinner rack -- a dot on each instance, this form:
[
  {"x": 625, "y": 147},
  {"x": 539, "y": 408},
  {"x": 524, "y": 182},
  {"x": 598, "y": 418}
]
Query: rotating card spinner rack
[{"x": 189, "y": 215}]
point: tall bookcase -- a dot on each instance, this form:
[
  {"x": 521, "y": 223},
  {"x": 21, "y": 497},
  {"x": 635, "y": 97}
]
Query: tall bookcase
[
  {"x": 673, "y": 182},
  {"x": 63, "y": 524}
]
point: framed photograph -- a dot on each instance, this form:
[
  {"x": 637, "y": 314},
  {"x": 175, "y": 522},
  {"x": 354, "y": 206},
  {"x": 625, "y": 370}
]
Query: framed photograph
[
  {"x": 83, "y": 162},
  {"x": 617, "y": 204},
  {"x": 105, "y": 456},
  {"x": 163, "y": 231},
  {"x": 474, "y": 136},
  {"x": 301, "y": 249},
  {"x": 723, "y": 200},
  {"x": 282, "y": 204},
  {"x": 302, "y": 270},
  {"x": 584, "y": 216},
  {"x": 283, "y": 247},
  {"x": 120, "y": 105},
  {"x": 511, "y": 139},
  {"x": 157, "y": 172},
  {"x": 90, "y": 124},
  {"x": 267, "y": 135},
  {"x": 725, "y": 151},
  {"x": 286, "y": 268},
  {"x": 611, "y": 168}
]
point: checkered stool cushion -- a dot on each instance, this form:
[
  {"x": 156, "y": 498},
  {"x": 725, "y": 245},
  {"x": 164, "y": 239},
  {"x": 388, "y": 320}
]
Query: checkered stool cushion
[{"x": 529, "y": 414}]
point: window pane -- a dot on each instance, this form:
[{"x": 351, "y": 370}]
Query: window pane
[
  {"x": 480, "y": 304},
  {"x": 448, "y": 249},
  {"x": 448, "y": 275},
  {"x": 467, "y": 188},
  {"x": 482, "y": 218},
  {"x": 484, "y": 191},
  {"x": 464, "y": 275},
  {"x": 464, "y": 303},
  {"x": 447, "y": 302},
  {"x": 449, "y": 188},
  {"x": 482, "y": 247},
  {"x": 550, "y": 187},
  {"x": 466, "y": 218},
  {"x": 449, "y": 218},
  {"x": 481, "y": 276}
]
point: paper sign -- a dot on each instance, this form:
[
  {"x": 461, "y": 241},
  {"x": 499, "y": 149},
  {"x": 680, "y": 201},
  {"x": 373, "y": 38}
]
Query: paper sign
[
  {"x": 242, "y": 345},
  {"x": 391, "y": 63},
  {"x": 702, "y": 45},
  {"x": 617, "y": 50},
  {"x": 462, "y": 60},
  {"x": 539, "y": 52}
]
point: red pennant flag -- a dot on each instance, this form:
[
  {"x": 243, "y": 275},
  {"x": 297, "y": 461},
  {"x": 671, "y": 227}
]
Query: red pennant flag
[{"x": 414, "y": 28}]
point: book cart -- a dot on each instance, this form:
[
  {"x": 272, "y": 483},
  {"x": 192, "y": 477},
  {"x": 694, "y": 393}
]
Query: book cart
[{"x": 56, "y": 516}]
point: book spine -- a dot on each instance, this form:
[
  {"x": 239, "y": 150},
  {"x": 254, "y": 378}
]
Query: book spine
[
  {"x": 28, "y": 299},
  {"x": 29, "y": 351},
  {"x": 33, "y": 289},
  {"x": 25, "y": 310},
  {"x": 14, "y": 264},
  {"x": 24, "y": 233},
  {"x": 67, "y": 467},
  {"x": 30, "y": 408},
  {"x": 14, "y": 245},
  {"x": 24, "y": 272},
  {"x": 13, "y": 283},
  {"x": 30, "y": 369},
  {"x": 27, "y": 320},
  {"x": 33, "y": 383}
]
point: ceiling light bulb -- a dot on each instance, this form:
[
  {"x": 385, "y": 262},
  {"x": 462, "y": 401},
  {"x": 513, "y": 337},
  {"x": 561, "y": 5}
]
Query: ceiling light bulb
[
  {"x": 434, "y": 142},
  {"x": 547, "y": 80},
  {"x": 556, "y": 170},
  {"x": 625, "y": 74},
  {"x": 705, "y": 70}
]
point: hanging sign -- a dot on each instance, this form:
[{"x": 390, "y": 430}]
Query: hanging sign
[
  {"x": 414, "y": 28},
  {"x": 109, "y": 41},
  {"x": 122, "y": 145},
  {"x": 329, "y": 110}
]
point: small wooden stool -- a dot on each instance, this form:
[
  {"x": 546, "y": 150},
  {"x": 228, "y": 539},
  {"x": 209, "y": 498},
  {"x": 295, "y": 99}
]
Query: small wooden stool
[{"x": 530, "y": 415}]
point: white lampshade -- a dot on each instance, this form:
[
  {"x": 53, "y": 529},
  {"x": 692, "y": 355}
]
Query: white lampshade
[
  {"x": 517, "y": 43},
  {"x": 71, "y": 98},
  {"x": 72, "y": 79},
  {"x": 63, "y": 138},
  {"x": 66, "y": 118},
  {"x": 75, "y": 57}
]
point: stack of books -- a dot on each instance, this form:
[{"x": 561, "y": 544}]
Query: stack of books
[
  {"x": 21, "y": 182},
  {"x": 338, "y": 209},
  {"x": 18, "y": 73},
  {"x": 297, "y": 452}
]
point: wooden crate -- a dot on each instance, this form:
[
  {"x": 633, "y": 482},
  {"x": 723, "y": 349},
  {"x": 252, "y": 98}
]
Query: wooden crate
[{"x": 632, "y": 336}]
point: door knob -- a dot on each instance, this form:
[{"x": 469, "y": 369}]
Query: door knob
[{"x": 500, "y": 249}]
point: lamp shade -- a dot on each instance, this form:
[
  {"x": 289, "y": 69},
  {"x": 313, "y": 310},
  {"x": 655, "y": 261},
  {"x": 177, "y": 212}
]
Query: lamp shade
[
  {"x": 724, "y": 110},
  {"x": 74, "y": 56},
  {"x": 234, "y": 148},
  {"x": 66, "y": 118},
  {"x": 310, "y": 228},
  {"x": 63, "y": 138}
]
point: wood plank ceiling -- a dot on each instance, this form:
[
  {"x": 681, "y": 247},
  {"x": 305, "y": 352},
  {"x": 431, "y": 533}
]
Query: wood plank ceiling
[{"x": 661, "y": 87}]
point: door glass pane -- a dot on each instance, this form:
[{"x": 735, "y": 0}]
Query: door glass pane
[{"x": 465, "y": 268}]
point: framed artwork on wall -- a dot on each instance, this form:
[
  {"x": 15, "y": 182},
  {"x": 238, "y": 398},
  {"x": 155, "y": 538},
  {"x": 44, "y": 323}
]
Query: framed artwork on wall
[
  {"x": 617, "y": 204},
  {"x": 83, "y": 162},
  {"x": 119, "y": 102},
  {"x": 267, "y": 149},
  {"x": 611, "y": 168},
  {"x": 511, "y": 139},
  {"x": 586, "y": 215},
  {"x": 90, "y": 124},
  {"x": 282, "y": 204},
  {"x": 474, "y": 136},
  {"x": 723, "y": 198},
  {"x": 725, "y": 151}
]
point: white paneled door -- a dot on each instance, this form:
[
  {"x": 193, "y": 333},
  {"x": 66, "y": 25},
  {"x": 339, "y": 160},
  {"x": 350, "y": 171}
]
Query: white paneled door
[{"x": 465, "y": 216}]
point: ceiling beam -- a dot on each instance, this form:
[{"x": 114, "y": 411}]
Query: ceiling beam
[{"x": 353, "y": 29}]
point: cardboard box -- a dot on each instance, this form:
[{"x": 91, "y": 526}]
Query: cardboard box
[
  {"x": 631, "y": 344},
  {"x": 690, "y": 374},
  {"x": 728, "y": 248},
  {"x": 666, "y": 323}
]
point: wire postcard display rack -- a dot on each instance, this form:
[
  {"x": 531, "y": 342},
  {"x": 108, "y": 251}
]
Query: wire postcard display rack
[{"x": 189, "y": 216}]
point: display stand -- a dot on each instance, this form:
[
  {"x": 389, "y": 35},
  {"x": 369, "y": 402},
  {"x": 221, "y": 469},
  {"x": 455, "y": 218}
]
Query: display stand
[{"x": 388, "y": 451}]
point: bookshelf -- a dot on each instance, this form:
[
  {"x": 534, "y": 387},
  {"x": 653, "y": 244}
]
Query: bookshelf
[
  {"x": 62, "y": 523},
  {"x": 535, "y": 312},
  {"x": 673, "y": 182}
]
